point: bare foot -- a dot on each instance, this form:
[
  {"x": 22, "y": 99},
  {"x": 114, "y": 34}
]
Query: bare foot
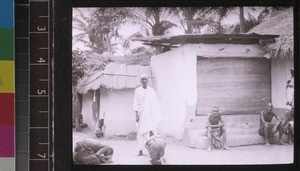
[
  {"x": 281, "y": 143},
  {"x": 291, "y": 143},
  {"x": 268, "y": 145},
  {"x": 226, "y": 148},
  {"x": 208, "y": 149},
  {"x": 140, "y": 153}
]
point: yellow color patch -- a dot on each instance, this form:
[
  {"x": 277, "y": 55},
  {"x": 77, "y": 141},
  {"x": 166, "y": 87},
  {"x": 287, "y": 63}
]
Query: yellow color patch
[{"x": 7, "y": 77}]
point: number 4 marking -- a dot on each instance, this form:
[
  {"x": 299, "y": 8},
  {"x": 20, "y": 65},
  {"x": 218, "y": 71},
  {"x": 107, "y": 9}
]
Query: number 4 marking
[
  {"x": 43, "y": 156},
  {"x": 41, "y": 60}
]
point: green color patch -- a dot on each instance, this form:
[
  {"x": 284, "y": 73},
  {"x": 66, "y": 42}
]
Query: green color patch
[{"x": 6, "y": 43}]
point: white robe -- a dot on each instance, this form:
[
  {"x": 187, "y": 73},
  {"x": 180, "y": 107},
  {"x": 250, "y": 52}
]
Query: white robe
[{"x": 146, "y": 103}]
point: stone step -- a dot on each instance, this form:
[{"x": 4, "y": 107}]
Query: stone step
[
  {"x": 232, "y": 118},
  {"x": 241, "y": 121},
  {"x": 232, "y": 141},
  {"x": 230, "y": 131},
  {"x": 196, "y": 139},
  {"x": 195, "y": 125}
]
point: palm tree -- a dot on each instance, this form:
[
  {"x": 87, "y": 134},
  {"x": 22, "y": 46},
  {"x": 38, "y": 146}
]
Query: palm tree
[
  {"x": 157, "y": 20},
  {"x": 219, "y": 13},
  {"x": 242, "y": 20},
  {"x": 244, "y": 25},
  {"x": 191, "y": 17}
]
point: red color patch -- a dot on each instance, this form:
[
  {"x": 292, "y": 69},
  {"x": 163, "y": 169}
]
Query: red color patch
[{"x": 7, "y": 108}]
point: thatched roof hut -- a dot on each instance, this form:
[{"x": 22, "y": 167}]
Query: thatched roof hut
[
  {"x": 279, "y": 23},
  {"x": 114, "y": 76}
]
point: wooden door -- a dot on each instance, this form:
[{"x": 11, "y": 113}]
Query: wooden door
[{"x": 235, "y": 85}]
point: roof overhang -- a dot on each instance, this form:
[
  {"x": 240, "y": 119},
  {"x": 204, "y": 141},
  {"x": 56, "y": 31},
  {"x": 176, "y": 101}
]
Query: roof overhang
[{"x": 175, "y": 41}]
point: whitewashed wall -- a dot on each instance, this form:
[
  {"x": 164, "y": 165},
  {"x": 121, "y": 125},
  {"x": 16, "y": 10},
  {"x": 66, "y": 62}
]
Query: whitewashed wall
[
  {"x": 175, "y": 78},
  {"x": 118, "y": 108},
  {"x": 280, "y": 71},
  {"x": 86, "y": 111}
]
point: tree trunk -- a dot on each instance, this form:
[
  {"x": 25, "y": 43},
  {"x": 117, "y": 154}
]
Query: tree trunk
[
  {"x": 242, "y": 20},
  {"x": 76, "y": 106}
]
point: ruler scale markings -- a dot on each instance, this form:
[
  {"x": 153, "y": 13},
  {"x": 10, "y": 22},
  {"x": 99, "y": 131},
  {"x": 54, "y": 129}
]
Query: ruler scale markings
[
  {"x": 39, "y": 85},
  {"x": 39, "y": 64},
  {"x": 21, "y": 53},
  {"x": 39, "y": 95},
  {"x": 22, "y": 5},
  {"x": 43, "y": 79},
  {"x": 21, "y": 21},
  {"x": 36, "y": 32},
  {"x": 22, "y": 38}
]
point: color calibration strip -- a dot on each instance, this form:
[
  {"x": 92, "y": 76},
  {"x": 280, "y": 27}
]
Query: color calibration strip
[{"x": 7, "y": 86}]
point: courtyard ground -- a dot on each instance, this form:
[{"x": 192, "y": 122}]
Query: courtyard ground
[{"x": 177, "y": 153}]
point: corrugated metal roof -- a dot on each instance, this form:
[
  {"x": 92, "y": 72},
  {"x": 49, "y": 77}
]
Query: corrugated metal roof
[{"x": 207, "y": 38}]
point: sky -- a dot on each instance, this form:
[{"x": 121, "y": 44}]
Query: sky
[{"x": 128, "y": 29}]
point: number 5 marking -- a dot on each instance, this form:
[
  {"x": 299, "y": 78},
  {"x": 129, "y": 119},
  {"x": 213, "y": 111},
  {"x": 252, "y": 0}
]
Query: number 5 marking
[{"x": 41, "y": 91}]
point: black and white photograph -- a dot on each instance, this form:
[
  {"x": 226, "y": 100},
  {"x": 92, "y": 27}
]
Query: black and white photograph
[{"x": 183, "y": 85}]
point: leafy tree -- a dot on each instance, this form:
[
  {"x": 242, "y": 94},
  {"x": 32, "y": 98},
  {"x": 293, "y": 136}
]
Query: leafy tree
[
  {"x": 100, "y": 27},
  {"x": 158, "y": 20},
  {"x": 215, "y": 15},
  {"x": 79, "y": 66},
  {"x": 191, "y": 18},
  {"x": 78, "y": 71}
]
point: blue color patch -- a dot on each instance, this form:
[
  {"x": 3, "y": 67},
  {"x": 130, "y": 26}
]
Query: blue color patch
[{"x": 6, "y": 13}]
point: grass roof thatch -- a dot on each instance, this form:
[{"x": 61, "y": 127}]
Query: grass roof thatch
[
  {"x": 279, "y": 23},
  {"x": 115, "y": 76}
]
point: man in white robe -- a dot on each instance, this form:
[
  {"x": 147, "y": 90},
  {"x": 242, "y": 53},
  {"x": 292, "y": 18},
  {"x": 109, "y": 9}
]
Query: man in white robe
[{"x": 147, "y": 112}]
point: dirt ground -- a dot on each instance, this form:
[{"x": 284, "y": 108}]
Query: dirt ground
[{"x": 177, "y": 153}]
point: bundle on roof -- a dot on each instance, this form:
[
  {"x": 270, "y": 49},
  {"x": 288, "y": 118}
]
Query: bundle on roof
[{"x": 280, "y": 23}]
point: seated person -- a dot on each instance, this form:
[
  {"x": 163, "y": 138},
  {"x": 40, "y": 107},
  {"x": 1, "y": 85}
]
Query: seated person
[
  {"x": 156, "y": 148},
  {"x": 266, "y": 128},
  {"x": 216, "y": 130},
  {"x": 288, "y": 126},
  {"x": 91, "y": 152}
]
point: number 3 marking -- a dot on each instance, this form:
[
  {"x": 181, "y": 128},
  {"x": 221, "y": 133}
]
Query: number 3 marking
[{"x": 41, "y": 29}]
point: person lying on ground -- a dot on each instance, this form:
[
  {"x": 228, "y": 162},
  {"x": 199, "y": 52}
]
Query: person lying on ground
[
  {"x": 156, "y": 148},
  {"x": 92, "y": 152}
]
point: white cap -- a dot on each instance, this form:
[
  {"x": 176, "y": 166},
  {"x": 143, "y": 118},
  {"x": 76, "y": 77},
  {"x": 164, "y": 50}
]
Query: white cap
[{"x": 144, "y": 76}]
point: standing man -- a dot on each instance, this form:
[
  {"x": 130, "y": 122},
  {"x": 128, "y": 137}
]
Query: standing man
[
  {"x": 266, "y": 128},
  {"x": 216, "y": 131},
  {"x": 147, "y": 112}
]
